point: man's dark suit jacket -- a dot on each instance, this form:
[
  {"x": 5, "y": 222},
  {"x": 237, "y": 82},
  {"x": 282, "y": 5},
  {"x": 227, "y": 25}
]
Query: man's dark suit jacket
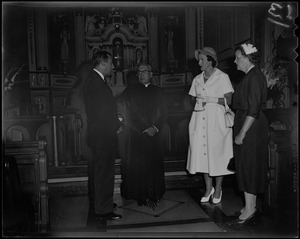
[{"x": 101, "y": 111}]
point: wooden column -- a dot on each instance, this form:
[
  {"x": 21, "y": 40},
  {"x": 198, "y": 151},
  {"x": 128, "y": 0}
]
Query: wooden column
[
  {"x": 41, "y": 24},
  {"x": 79, "y": 37},
  {"x": 153, "y": 41},
  {"x": 193, "y": 32},
  {"x": 199, "y": 27}
]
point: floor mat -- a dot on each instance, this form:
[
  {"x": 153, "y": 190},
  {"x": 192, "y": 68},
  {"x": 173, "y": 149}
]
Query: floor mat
[
  {"x": 176, "y": 207},
  {"x": 69, "y": 212}
]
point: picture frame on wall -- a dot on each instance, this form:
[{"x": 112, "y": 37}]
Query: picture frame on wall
[
  {"x": 40, "y": 99},
  {"x": 60, "y": 101},
  {"x": 172, "y": 40},
  {"x": 62, "y": 43},
  {"x": 173, "y": 80}
]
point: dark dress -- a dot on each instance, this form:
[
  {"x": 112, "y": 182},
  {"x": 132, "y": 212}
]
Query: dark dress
[
  {"x": 252, "y": 156},
  {"x": 142, "y": 165}
]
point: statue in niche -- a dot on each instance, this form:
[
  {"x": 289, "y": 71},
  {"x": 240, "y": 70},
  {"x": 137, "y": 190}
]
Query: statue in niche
[
  {"x": 90, "y": 24},
  {"x": 131, "y": 22},
  {"x": 101, "y": 24},
  {"x": 170, "y": 36},
  {"x": 115, "y": 11},
  {"x": 142, "y": 25},
  {"x": 64, "y": 48},
  {"x": 139, "y": 56}
]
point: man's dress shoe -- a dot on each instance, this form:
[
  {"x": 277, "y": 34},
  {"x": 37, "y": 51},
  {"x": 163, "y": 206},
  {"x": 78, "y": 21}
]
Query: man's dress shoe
[{"x": 108, "y": 216}]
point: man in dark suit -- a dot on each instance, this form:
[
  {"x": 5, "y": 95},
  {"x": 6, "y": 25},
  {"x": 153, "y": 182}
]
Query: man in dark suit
[{"x": 102, "y": 128}]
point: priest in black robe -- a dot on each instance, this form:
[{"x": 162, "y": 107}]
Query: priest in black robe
[{"x": 145, "y": 116}]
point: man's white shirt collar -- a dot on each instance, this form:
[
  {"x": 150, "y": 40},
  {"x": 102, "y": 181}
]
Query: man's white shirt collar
[{"x": 99, "y": 73}]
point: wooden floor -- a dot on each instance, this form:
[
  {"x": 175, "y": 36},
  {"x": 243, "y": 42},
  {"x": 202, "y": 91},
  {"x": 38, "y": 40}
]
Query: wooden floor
[
  {"x": 190, "y": 218},
  {"x": 178, "y": 213}
]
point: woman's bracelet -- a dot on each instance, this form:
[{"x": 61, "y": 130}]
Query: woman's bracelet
[{"x": 244, "y": 131}]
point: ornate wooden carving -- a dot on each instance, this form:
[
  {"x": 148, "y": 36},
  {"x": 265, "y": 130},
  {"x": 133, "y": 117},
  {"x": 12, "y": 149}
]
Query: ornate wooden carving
[
  {"x": 125, "y": 38},
  {"x": 281, "y": 195}
]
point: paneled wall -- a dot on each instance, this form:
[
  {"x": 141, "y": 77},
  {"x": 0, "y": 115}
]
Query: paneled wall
[
  {"x": 52, "y": 78},
  {"x": 227, "y": 27}
]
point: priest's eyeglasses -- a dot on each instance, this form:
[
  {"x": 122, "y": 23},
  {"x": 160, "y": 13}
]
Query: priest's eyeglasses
[{"x": 142, "y": 72}]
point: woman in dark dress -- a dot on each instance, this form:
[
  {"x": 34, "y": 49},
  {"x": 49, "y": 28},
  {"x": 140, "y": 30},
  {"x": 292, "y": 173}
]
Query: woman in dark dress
[{"x": 251, "y": 130}]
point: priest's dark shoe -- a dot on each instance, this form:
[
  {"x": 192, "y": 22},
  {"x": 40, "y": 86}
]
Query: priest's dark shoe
[
  {"x": 141, "y": 202},
  {"x": 108, "y": 216}
]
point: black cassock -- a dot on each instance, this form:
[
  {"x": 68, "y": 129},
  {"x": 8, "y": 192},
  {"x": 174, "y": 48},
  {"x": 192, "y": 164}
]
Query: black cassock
[{"x": 142, "y": 166}]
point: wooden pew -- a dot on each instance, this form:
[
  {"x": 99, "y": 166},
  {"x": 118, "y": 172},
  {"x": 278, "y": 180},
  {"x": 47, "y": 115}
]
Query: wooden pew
[{"x": 32, "y": 168}]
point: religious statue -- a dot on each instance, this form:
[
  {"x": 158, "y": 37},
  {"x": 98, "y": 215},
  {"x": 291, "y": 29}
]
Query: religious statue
[
  {"x": 142, "y": 25},
  {"x": 139, "y": 56},
  {"x": 90, "y": 24},
  {"x": 101, "y": 24},
  {"x": 131, "y": 22},
  {"x": 170, "y": 36},
  {"x": 64, "y": 49}
]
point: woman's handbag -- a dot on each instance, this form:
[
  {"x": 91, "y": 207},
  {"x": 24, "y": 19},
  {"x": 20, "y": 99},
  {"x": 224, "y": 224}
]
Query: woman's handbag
[
  {"x": 231, "y": 165},
  {"x": 229, "y": 115}
]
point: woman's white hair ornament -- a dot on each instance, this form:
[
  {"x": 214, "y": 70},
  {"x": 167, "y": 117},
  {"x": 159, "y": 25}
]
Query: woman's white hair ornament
[{"x": 249, "y": 48}]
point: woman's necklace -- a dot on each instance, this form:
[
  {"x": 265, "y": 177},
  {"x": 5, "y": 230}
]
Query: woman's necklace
[{"x": 206, "y": 77}]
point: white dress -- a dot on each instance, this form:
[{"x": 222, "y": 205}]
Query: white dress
[{"x": 211, "y": 144}]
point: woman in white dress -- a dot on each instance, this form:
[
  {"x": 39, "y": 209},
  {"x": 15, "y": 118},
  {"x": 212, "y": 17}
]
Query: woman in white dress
[{"x": 211, "y": 144}]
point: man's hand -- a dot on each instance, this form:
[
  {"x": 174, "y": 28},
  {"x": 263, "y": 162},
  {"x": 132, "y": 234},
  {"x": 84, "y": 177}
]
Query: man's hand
[
  {"x": 121, "y": 129},
  {"x": 151, "y": 131}
]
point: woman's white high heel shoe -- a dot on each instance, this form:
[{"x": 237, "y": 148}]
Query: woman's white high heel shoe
[
  {"x": 206, "y": 199},
  {"x": 217, "y": 200}
]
